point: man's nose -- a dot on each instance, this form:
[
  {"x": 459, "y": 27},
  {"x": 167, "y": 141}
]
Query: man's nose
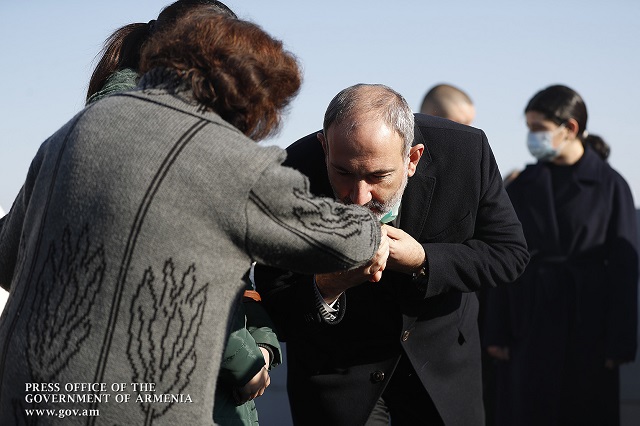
[{"x": 360, "y": 193}]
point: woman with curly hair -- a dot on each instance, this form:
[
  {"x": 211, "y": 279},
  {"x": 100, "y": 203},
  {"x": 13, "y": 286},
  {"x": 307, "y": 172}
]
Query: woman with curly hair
[
  {"x": 126, "y": 251},
  {"x": 118, "y": 66},
  {"x": 241, "y": 377}
]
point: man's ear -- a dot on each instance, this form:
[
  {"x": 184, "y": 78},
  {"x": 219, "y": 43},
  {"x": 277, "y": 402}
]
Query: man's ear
[
  {"x": 323, "y": 141},
  {"x": 415, "y": 153}
]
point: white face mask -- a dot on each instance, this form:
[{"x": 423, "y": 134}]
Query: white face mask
[{"x": 540, "y": 145}]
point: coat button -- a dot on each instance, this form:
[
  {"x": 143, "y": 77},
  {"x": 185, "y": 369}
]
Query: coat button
[
  {"x": 377, "y": 376},
  {"x": 405, "y": 335}
]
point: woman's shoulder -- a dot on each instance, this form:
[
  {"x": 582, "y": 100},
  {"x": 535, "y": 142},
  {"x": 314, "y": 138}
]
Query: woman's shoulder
[
  {"x": 528, "y": 174},
  {"x": 616, "y": 179}
]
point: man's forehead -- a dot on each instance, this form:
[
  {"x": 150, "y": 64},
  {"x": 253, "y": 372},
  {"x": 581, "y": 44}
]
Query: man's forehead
[
  {"x": 366, "y": 149},
  {"x": 370, "y": 135}
]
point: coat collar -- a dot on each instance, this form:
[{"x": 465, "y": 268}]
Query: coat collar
[
  {"x": 539, "y": 207},
  {"x": 589, "y": 169}
]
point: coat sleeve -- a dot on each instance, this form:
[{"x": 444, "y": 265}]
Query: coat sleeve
[
  {"x": 11, "y": 226},
  {"x": 290, "y": 300},
  {"x": 242, "y": 358},
  {"x": 622, "y": 302},
  {"x": 10, "y": 239},
  {"x": 261, "y": 327},
  {"x": 263, "y": 332},
  {"x": 290, "y": 229},
  {"x": 496, "y": 253},
  {"x": 251, "y": 328}
]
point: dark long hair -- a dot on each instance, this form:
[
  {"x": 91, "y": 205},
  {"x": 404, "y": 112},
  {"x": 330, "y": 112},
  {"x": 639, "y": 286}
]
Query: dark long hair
[
  {"x": 231, "y": 66},
  {"x": 122, "y": 48},
  {"x": 560, "y": 103}
]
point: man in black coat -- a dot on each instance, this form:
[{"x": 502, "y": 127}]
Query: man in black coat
[{"x": 397, "y": 337}]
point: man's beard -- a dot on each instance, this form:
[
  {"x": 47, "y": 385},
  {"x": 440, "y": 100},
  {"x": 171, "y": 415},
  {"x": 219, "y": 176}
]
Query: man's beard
[{"x": 379, "y": 209}]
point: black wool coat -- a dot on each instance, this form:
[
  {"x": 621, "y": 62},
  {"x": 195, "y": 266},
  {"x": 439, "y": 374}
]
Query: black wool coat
[
  {"x": 576, "y": 303},
  {"x": 456, "y": 206}
]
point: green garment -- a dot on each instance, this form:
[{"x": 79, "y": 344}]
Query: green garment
[
  {"x": 241, "y": 361},
  {"x": 124, "y": 79}
]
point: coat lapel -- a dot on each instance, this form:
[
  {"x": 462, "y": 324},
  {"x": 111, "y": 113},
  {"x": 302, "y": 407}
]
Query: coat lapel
[
  {"x": 587, "y": 175},
  {"x": 416, "y": 200},
  {"x": 536, "y": 194}
]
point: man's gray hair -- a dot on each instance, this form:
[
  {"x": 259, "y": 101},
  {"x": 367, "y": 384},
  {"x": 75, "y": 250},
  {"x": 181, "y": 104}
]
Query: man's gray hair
[{"x": 363, "y": 102}]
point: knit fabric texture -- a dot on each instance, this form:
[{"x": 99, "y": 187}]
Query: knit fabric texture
[{"x": 126, "y": 249}]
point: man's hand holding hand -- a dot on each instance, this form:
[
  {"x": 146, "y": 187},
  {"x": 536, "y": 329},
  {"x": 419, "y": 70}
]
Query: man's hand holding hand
[
  {"x": 333, "y": 284},
  {"x": 405, "y": 253}
]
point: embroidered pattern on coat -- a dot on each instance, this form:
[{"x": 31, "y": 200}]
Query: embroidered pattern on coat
[
  {"x": 60, "y": 318},
  {"x": 165, "y": 319},
  {"x": 328, "y": 218},
  {"x": 146, "y": 202}
]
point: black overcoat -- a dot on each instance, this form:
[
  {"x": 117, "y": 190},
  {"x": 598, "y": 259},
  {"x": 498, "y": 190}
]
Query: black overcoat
[
  {"x": 576, "y": 303},
  {"x": 456, "y": 206}
]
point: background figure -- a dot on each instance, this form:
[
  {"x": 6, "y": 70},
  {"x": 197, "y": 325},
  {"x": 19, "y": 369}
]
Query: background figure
[
  {"x": 406, "y": 347},
  {"x": 511, "y": 176},
  {"x": 241, "y": 378},
  {"x": 595, "y": 142},
  {"x": 568, "y": 323},
  {"x": 444, "y": 100},
  {"x": 127, "y": 249},
  {"x": 450, "y": 102},
  {"x": 3, "y": 293}
]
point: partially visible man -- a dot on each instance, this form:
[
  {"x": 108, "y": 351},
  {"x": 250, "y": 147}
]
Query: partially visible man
[
  {"x": 450, "y": 102},
  {"x": 3, "y": 293},
  {"x": 406, "y": 347},
  {"x": 444, "y": 100}
]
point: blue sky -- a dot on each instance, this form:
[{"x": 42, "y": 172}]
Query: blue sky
[{"x": 501, "y": 52}]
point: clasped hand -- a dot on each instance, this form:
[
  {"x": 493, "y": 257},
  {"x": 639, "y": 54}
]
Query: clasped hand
[
  {"x": 257, "y": 385},
  {"x": 398, "y": 251},
  {"x": 405, "y": 253}
]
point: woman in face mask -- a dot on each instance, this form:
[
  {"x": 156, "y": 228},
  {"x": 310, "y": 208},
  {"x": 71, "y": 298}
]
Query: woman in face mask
[
  {"x": 561, "y": 332},
  {"x": 556, "y": 118}
]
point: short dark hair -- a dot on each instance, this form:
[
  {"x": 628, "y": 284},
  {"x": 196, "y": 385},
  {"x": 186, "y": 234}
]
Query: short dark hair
[
  {"x": 442, "y": 98},
  {"x": 232, "y": 67}
]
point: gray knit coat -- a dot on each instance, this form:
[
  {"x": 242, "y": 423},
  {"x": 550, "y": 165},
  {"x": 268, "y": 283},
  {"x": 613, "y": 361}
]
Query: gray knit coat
[{"x": 125, "y": 252}]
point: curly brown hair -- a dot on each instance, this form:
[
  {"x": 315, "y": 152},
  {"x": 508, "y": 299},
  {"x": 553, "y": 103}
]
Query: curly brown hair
[
  {"x": 122, "y": 48},
  {"x": 233, "y": 68}
]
